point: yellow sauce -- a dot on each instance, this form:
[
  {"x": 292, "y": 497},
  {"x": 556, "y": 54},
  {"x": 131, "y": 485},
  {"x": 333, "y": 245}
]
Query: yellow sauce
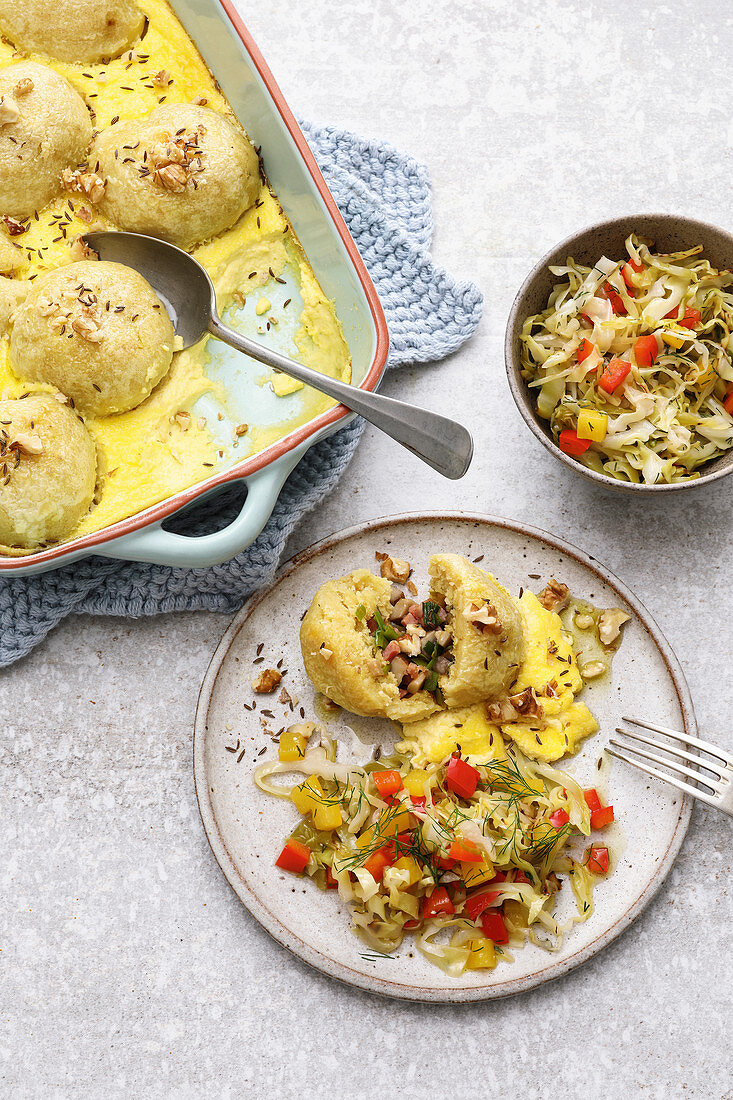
[{"x": 149, "y": 454}]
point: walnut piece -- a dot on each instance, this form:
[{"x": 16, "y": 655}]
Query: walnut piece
[
  {"x": 80, "y": 250},
  {"x": 555, "y": 596},
  {"x": 523, "y": 705},
  {"x": 592, "y": 669},
  {"x": 9, "y": 112},
  {"x": 267, "y": 680},
  {"x": 24, "y": 86},
  {"x": 173, "y": 177},
  {"x": 27, "y": 443},
  {"x": 86, "y": 327},
  {"x": 610, "y": 623},
  {"x": 162, "y": 79},
  {"x": 84, "y": 183},
  {"x": 394, "y": 569},
  {"x": 485, "y": 618}
]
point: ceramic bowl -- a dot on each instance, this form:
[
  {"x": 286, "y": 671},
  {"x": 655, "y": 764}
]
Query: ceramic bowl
[{"x": 671, "y": 232}]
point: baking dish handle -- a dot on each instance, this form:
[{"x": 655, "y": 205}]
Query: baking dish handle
[{"x": 160, "y": 547}]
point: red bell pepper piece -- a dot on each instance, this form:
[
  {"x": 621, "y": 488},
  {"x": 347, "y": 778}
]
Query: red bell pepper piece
[
  {"x": 601, "y": 818},
  {"x": 617, "y": 302},
  {"x": 445, "y": 863},
  {"x": 410, "y": 924},
  {"x": 464, "y": 852},
  {"x": 387, "y": 782},
  {"x": 331, "y": 883},
  {"x": 494, "y": 927},
  {"x": 691, "y": 318},
  {"x": 728, "y": 403},
  {"x": 460, "y": 777},
  {"x": 585, "y": 350},
  {"x": 630, "y": 268},
  {"x": 476, "y": 904},
  {"x": 378, "y": 862},
  {"x": 598, "y": 860},
  {"x": 559, "y": 818},
  {"x": 520, "y": 876},
  {"x": 294, "y": 857},
  {"x": 614, "y": 374},
  {"x": 592, "y": 800},
  {"x": 418, "y": 799},
  {"x": 437, "y": 902},
  {"x": 570, "y": 444},
  {"x": 646, "y": 350}
]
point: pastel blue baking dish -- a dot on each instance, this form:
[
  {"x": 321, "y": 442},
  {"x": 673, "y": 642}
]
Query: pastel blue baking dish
[{"x": 231, "y": 54}]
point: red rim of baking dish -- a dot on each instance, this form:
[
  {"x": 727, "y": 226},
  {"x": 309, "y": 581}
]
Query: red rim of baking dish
[{"x": 300, "y": 435}]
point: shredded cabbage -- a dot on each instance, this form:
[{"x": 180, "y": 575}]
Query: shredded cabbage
[
  {"x": 667, "y": 419},
  {"x": 391, "y": 858}
]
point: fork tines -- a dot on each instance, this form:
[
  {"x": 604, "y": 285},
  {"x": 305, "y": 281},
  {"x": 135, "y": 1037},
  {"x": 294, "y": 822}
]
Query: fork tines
[{"x": 713, "y": 777}]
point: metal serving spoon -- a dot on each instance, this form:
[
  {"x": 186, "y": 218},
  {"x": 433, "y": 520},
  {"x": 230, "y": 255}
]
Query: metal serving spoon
[{"x": 188, "y": 294}]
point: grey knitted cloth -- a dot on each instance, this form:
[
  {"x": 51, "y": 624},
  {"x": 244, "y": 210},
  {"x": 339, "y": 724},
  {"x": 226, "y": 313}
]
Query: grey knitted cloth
[{"x": 385, "y": 199}]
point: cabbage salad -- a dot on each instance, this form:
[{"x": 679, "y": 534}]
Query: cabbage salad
[
  {"x": 467, "y": 857},
  {"x": 631, "y": 363}
]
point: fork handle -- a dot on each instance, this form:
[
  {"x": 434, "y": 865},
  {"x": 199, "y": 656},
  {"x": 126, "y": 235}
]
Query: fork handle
[{"x": 442, "y": 443}]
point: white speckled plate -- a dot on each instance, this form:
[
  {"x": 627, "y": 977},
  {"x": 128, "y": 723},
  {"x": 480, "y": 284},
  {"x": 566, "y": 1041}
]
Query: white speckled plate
[{"x": 246, "y": 828}]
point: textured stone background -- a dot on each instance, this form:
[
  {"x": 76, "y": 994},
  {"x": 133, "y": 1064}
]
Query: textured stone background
[{"x": 127, "y": 966}]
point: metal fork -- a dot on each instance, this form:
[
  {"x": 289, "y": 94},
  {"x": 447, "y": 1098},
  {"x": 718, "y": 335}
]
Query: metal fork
[{"x": 715, "y": 788}]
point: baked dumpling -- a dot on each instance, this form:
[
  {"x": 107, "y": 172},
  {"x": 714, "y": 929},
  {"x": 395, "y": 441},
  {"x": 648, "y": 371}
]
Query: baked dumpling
[
  {"x": 339, "y": 654},
  {"x": 48, "y": 470},
  {"x": 45, "y": 126},
  {"x": 488, "y": 644},
  {"x": 184, "y": 173},
  {"x": 375, "y": 651},
  {"x": 72, "y": 30},
  {"x": 98, "y": 332}
]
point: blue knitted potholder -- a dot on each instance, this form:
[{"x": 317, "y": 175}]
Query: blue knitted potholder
[{"x": 385, "y": 199}]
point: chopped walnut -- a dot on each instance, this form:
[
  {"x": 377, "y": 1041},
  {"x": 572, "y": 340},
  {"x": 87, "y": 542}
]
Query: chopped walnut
[
  {"x": 592, "y": 669},
  {"x": 610, "y": 623},
  {"x": 173, "y": 177},
  {"x": 394, "y": 569},
  {"x": 86, "y": 327},
  {"x": 9, "y": 112},
  {"x": 523, "y": 705},
  {"x": 555, "y": 596},
  {"x": 14, "y": 228},
  {"x": 583, "y": 620},
  {"x": 267, "y": 680},
  {"x": 80, "y": 250},
  {"x": 484, "y": 617},
  {"x": 24, "y": 86},
  {"x": 200, "y": 101},
  {"x": 241, "y": 429},
  {"x": 84, "y": 214},
  {"x": 162, "y": 79},
  {"x": 27, "y": 443},
  {"x": 84, "y": 183},
  {"x": 183, "y": 418}
]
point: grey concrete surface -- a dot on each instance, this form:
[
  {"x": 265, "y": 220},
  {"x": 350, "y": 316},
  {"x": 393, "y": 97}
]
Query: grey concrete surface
[{"x": 127, "y": 966}]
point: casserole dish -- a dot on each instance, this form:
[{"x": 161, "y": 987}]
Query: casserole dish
[{"x": 227, "y": 48}]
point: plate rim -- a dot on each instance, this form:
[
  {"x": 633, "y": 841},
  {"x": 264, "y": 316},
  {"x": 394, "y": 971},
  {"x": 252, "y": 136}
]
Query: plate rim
[{"x": 374, "y": 983}]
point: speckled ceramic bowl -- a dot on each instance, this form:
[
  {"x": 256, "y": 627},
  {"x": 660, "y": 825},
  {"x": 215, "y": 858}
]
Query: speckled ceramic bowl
[{"x": 672, "y": 232}]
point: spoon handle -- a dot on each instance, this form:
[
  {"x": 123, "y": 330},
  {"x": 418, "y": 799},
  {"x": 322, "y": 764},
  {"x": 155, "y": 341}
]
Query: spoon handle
[{"x": 444, "y": 444}]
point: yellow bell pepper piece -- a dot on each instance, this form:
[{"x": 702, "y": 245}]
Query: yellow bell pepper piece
[
  {"x": 415, "y": 871},
  {"x": 414, "y": 782},
  {"x": 292, "y": 746},
  {"x": 592, "y": 425},
  {"x": 308, "y": 794},
  {"x": 327, "y": 816},
  {"x": 482, "y": 956},
  {"x": 474, "y": 874},
  {"x": 673, "y": 338}
]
